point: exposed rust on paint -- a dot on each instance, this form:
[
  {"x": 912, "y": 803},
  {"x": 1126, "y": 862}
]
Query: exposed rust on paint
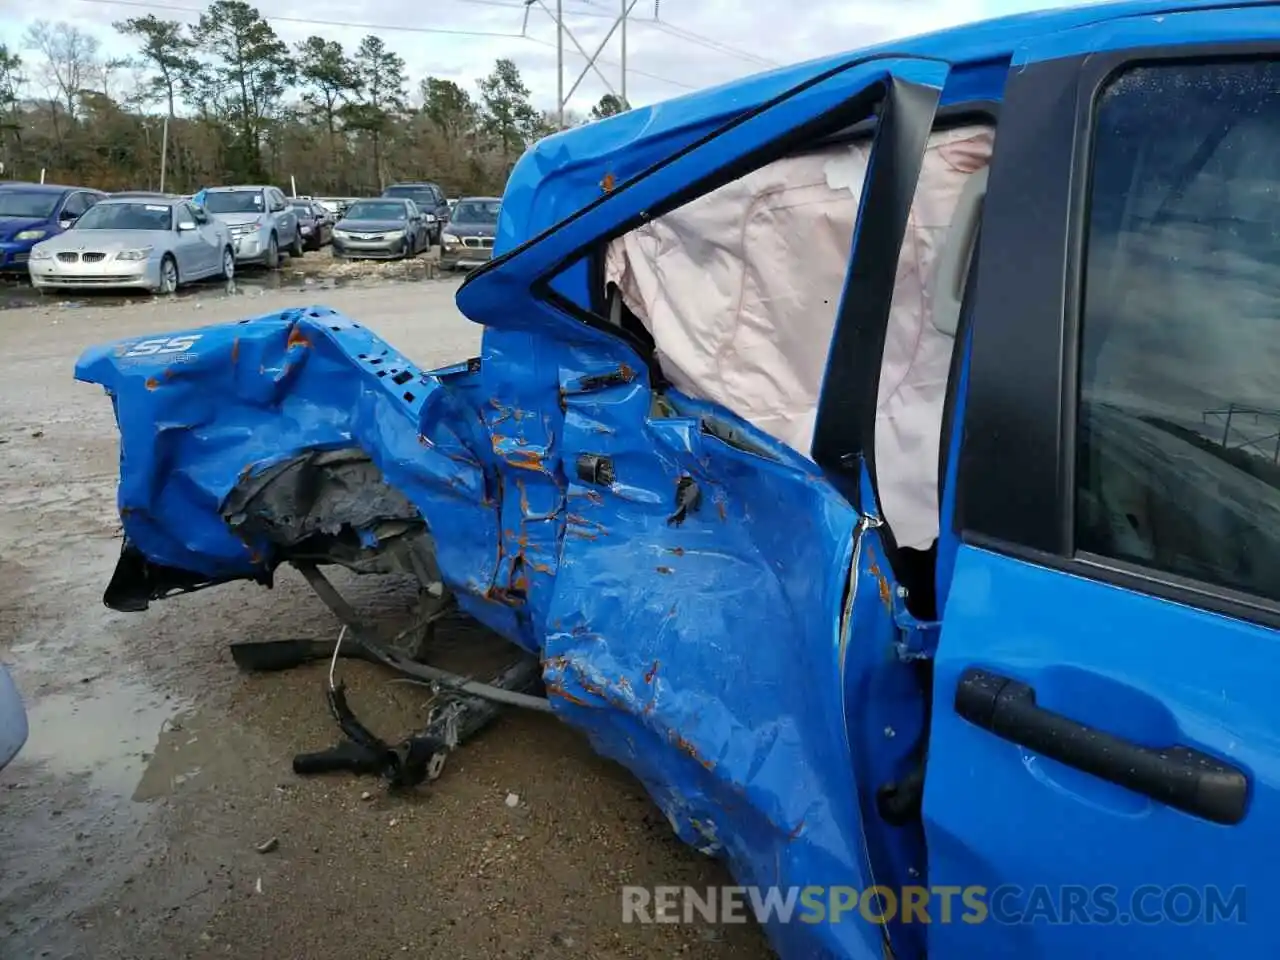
[
  {"x": 678, "y": 551},
  {"x": 575, "y": 519},
  {"x": 235, "y": 351},
  {"x": 882, "y": 582},
  {"x": 608, "y": 183},
  {"x": 596, "y": 497},
  {"x": 664, "y": 570},
  {"x": 651, "y": 673},
  {"x": 541, "y": 568},
  {"x": 720, "y": 508},
  {"x": 794, "y": 833},
  {"x": 520, "y": 579},
  {"x": 296, "y": 338},
  {"x": 687, "y": 748},
  {"x": 524, "y": 498},
  {"x": 152, "y": 383},
  {"x": 555, "y": 690}
]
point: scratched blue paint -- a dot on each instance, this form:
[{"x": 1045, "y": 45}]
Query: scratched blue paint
[{"x": 709, "y": 655}]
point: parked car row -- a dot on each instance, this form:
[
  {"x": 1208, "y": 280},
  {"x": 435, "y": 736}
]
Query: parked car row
[{"x": 66, "y": 236}]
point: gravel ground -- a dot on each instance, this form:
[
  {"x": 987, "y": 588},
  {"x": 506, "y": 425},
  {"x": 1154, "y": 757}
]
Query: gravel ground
[{"x": 131, "y": 824}]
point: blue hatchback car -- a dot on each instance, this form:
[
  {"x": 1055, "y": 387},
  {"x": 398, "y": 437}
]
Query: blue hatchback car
[
  {"x": 880, "y": 455},
  {"x": 31, "y": 212}
]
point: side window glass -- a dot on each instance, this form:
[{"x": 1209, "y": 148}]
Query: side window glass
[
  {"x": 1178, "y": 446},
  {"x": 75, "y": 206}
]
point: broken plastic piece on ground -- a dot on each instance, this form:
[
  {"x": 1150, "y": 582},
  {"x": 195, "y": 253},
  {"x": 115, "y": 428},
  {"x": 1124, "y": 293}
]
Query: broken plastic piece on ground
[{"x": 468, "y": 707}]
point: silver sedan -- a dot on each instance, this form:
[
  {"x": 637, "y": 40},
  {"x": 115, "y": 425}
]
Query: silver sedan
[{"x": 153, "y": 244}]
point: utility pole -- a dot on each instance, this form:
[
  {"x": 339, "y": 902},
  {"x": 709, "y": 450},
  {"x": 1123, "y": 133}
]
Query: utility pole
[
  {"x": 563, "y": 32},
  {"x": 559, "y": 64},
  {"x": 164, "y": 150}
]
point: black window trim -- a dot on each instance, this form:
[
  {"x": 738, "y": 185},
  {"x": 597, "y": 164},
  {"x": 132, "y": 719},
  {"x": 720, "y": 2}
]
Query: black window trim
[
  {"x": 66, "y": 201},
  {"x": 1019, "y": 445}
]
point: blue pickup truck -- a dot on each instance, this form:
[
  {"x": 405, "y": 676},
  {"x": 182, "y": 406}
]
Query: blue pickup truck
[{"x": 879, "y": 455}]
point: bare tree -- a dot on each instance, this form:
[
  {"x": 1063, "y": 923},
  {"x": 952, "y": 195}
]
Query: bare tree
[
  {"x": 105, "y": 72},
  {"x": 70, "y": 55}
]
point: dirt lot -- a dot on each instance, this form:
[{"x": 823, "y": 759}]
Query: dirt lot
[{"x": 130, "y": 825}]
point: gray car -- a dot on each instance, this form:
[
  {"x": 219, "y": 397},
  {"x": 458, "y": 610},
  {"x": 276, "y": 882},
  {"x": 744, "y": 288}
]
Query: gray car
[
  {"x": 382, "y": 229},
  {"x": 467, "y": 241},
  {"x": 153, "y": 244},
  {"x": 261, "y": 221}
]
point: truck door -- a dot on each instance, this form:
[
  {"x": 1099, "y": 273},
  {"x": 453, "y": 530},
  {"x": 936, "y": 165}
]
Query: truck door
[
  {"x": 691, "y": 616},
  {"x": 1105, "y": 740}
]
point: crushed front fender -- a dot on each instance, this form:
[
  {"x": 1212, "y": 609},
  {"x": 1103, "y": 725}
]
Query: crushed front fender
[{"x": 205, "y": 416}]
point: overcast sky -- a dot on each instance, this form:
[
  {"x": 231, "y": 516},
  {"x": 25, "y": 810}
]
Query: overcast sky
[{"x": 693, "y": 43}]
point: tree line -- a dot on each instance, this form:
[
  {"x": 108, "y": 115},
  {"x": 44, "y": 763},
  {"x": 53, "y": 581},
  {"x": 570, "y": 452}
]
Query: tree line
[{"x": 242, "y": 106}]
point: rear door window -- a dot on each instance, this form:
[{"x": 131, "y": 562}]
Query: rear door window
[
  {"x": 76, "y": 206},
  {"x": 1178, "y": 448}
]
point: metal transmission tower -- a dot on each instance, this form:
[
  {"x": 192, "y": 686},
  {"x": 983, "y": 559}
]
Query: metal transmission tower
[{"x": 563, "y": 33}]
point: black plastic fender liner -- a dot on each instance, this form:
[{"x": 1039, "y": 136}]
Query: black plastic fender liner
[{"x": 136, "y": 581}]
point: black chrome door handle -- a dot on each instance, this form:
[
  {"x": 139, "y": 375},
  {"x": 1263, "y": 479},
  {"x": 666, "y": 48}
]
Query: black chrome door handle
[{"x": 1178, "y": 776}]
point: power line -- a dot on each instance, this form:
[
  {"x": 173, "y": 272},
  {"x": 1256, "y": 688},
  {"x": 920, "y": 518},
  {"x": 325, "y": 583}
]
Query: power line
[
  {"x": 613, "y": 63},
  {"x": 669, "y": 28},
  {"x": 400, "y": 28},
  {"x": 311, "y": 21},
  {"x": 709, "y": 43}
]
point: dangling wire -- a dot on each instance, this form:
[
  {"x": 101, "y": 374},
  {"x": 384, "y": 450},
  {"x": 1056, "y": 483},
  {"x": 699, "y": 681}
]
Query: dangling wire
[{"x": 334, "y": 662}]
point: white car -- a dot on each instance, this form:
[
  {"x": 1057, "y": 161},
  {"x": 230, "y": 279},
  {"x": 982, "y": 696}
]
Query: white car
[{"x": 153, "y": 244}]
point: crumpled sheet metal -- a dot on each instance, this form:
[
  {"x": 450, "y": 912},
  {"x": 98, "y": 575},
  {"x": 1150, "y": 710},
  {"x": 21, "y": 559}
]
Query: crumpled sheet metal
[
  {"x": 250, "y": 395},
  {"x": 703, "y": 655}
]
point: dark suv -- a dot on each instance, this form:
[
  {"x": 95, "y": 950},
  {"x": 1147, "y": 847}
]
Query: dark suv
[{"x": 430, "y": 200}]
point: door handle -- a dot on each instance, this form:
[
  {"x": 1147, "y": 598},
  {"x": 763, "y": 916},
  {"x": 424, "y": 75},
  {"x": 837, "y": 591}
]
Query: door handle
[{"x": 1180, "y": 777}]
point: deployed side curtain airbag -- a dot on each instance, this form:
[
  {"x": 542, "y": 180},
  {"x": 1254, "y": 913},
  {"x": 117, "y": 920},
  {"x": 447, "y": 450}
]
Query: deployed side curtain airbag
[{"x": 739, "y": 289}]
